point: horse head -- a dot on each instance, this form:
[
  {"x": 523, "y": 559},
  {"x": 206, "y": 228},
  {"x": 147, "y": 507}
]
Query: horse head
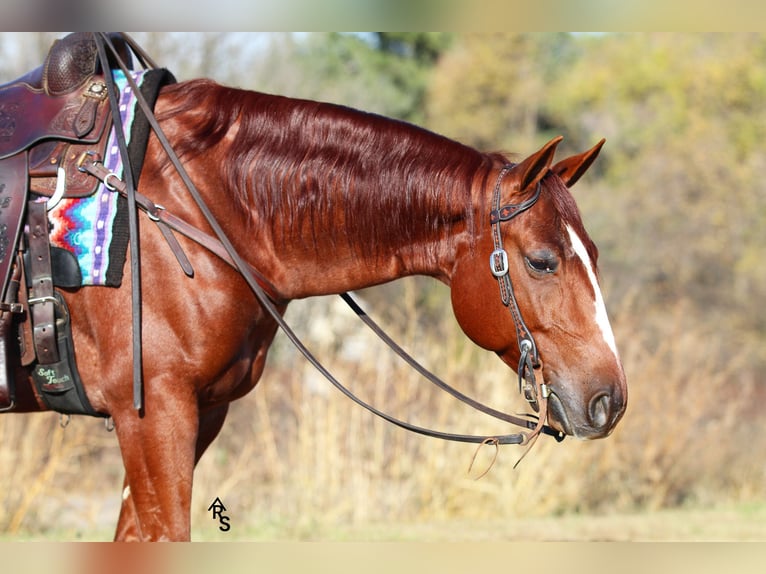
[{"x": 526, "y": 287}]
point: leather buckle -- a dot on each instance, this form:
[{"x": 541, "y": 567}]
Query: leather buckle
[{"x": 498, "y": 262}]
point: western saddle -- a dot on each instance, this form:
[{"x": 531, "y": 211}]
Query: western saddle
[{"x": 48, "y": 118}]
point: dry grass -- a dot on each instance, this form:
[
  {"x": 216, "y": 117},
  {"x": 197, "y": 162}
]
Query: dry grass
[
  {"x": 298, "y": 458},
  {"x": 55, "y": 477},
  {"x": 686, "y": 439}
]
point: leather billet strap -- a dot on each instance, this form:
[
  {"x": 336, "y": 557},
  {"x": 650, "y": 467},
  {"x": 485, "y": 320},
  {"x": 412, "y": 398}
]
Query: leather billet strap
[{"x": 41, "y": 301}]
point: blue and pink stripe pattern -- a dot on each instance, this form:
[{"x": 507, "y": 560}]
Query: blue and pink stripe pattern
[{"x": 85, "y": 226}]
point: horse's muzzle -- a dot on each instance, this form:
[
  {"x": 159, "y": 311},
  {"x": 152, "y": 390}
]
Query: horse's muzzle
[{"x": 592, "y": 418}]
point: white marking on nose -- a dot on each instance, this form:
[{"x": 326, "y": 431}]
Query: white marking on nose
[
  {"x": 126, "y": 493},
  {"x": 602, "y": 319}
]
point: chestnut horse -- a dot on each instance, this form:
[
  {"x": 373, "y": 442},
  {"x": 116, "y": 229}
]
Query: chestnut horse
[{"x": 323, "y": 199}]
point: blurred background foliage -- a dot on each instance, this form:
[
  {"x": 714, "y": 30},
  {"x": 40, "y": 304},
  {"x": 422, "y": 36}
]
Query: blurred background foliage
[{"x": 676, "y": 203}]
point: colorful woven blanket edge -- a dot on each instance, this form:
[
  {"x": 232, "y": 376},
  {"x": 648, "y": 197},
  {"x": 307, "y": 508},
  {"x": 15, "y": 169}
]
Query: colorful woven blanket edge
[{"x": 86, "y": 226}]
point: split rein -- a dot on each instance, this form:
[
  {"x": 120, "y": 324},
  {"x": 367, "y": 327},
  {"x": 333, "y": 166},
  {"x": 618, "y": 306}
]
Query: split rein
[{"x": 536, "y": 393}]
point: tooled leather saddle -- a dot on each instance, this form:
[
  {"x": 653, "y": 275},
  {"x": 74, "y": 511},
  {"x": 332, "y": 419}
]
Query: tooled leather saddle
[{"x": 48, "y": 118}]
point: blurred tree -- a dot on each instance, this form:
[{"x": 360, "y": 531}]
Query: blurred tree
[
  {"x": 490, "y": 89},
  {"x": 21, "y": 52},
  {"x": 424, "y": 47},
  {"x": 685, "y": 122},
  {"x": 675, "y": 202},
  {"x": 227, "y": 57},
  {"x": 386, "y": 73}
]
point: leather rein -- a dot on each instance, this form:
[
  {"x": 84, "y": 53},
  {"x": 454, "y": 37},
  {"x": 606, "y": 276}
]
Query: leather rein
[{"x": 268, "y": 296}]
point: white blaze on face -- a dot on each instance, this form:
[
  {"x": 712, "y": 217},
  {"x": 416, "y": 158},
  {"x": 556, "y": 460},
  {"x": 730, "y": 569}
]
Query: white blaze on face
[{"x": 601, "y": 317}]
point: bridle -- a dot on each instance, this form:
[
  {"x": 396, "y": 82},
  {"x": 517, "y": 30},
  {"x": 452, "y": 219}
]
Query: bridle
[
  {"x": 265, "y": 293},
  {"x": 529, "y": 359}
]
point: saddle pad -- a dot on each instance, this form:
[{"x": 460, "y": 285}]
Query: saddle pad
[{"x": 93, "y": 228}]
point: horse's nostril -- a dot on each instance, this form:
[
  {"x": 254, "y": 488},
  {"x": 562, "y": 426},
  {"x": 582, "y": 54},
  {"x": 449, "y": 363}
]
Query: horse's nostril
[{"x": 599, "y": 410}]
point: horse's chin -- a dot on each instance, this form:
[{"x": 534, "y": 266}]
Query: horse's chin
[{"x": 557, "y": 415}]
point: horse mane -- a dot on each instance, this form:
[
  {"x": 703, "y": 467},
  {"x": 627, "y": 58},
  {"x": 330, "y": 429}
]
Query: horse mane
[
  {"x": 299, "y": 157},
  {"x": 292, "y": 163}
]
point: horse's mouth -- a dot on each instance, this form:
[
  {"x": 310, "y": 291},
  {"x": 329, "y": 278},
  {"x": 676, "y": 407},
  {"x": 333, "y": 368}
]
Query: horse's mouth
[{"x": 557, "y": 415}]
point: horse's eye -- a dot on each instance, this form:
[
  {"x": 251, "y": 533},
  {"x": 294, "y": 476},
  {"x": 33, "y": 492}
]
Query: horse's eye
[{"x": 546, "y": 264}]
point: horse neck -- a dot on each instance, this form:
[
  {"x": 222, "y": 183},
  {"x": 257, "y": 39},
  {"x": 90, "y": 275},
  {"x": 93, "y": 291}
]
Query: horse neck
[
  {"x": 360, "y": 243},
  {"x": 368, "y": 220},
  {"x": 337, "y": 199}
]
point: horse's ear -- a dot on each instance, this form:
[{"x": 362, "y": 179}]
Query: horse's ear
[
  {"x": 571, "y": 168},
  {"x": 534, "y": 168}
]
